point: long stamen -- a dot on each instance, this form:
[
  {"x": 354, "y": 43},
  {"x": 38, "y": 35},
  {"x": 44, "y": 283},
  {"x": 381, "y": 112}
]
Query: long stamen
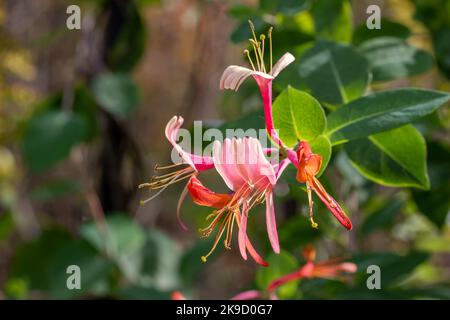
[
  {"x": 158, "y": 167},
  {"x": 261, "y": 52},
  {"x": 216, "y": 241},
  {"x": 310, "y": 202},
  {"x": 164, "y": 184},
  {"x": 252, "y": 27},
  {"x": 249, "y": 59},
  {"x": 255, "y": 45},
  {"x": 227, "y": 241},
  {"x": 270, "y": 47}
]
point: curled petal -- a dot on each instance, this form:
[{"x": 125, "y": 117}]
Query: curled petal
[
  {"x": 284, "y": 61},
  {"x": 242, "y": 236},
  {"x": 198, "y": 163},
  {"x": 206, "y": 197},
  {"x": 233, "y": 76},
  {"x": 271, "y": 223}
]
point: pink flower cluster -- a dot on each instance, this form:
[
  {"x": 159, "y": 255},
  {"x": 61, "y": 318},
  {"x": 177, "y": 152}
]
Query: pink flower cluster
[{"x": 244, "y": 168}]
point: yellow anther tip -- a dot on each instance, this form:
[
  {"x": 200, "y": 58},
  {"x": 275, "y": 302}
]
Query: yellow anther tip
[
  {"x": 314, "y": 225},
  {"x": 203, "y": 258},
  {"x": 262, "y": 37},
  {"x": 142, "y": 202}
]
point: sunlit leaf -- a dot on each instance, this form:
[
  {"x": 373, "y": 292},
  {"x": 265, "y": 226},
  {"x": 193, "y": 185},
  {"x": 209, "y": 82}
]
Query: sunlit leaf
[
  {"x": 297, "y": 116},
  {"x": 335, "y": 73},
  {"x": 393, "y": 58},
  {"x": 382, "y": 111},
  {"x": 394, "y": 158}
]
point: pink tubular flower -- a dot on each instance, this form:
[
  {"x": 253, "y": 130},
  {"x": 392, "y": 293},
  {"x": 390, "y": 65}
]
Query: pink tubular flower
[
  {"x": 308, "y": 166},
  {"x": 331, "y": 269},
  {"x": 191, "y": 165},
  {"x": 233, "y": 76},
  {"x": 246, "y": 171}
]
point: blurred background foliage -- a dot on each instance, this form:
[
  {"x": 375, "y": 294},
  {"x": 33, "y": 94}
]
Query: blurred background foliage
[{"x": 82, "y": 115}]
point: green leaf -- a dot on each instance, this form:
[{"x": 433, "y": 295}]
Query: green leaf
[
  {"x": 394, "y": 158},
  {"x": 116, "y": 92},
  {"x": 279, "y": 265},
  {"x": 335, "y": 73},
  {"x": 388, "y": 29},
  {"x": 394, "y": 267},
  {"x": 393, "y": 58},
  {"x": 382, "y": 111},
  {"x": 42, "y": 265},
  {"x": 123, "y": 242},
  {"x": 297, "y": 116},
  {"x": 333, "y": 19},
  {"x": 381, "y": 218},
  {"x": 49, "y": 137}
]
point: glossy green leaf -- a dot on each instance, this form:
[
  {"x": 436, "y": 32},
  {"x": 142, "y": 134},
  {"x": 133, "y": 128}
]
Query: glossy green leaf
[
  {"x": 335, "y": 73},
  {"x": 388, "y": 29},
  {"x": 49, "y": 137},
  {"x": 279, "y": 265},
  {"x": 393, "y": 58},
  {"x": 297, "y": 116},
  {"x": 117, "y": 93},
  {"x": 393, "y": 158},
  {"x": 382, "y": 111},
  {"x": 333, "y": 19}
]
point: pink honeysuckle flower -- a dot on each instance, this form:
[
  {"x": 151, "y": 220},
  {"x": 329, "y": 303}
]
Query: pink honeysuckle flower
[
  {"x": 233, "y": 76},
  {"x": 309, "y": 165},
  {"x": 247, "y": 172},
  {"x": 330, "y": 269},
  {"x": 191, "y": 165}
]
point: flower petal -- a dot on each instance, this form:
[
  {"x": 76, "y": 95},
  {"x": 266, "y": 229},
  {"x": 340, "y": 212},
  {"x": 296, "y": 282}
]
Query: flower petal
[
  {"x": 331, "y": 204},
  {"x": 284, "y": 61},
  {"x": 224, "y": 161},
  {"x": 271, "y": 223},
  {"x": 242, "y": 236},
  {"x": 198, "y": 163},
  {"x": 233, "y": 76},
  {"x": 205, "y": 197}
]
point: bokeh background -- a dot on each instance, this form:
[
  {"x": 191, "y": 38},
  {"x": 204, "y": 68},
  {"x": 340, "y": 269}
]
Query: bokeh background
[{"x": 82, "y": 117}]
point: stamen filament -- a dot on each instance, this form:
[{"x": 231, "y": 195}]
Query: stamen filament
[
  {"x": 216, "y": 241},
  {"x": 255, "y": 44},
  {"x": 270, "y": 47},
  {"x": 262, "y": 38},
  {"x": 250, "y": 59},
  {"x": 311, "y": 203}
]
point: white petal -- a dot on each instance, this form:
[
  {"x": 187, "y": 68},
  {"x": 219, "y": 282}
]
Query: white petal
[
  {"x": 233, "y": 76},
  {"x": 284, "y": 61}
]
